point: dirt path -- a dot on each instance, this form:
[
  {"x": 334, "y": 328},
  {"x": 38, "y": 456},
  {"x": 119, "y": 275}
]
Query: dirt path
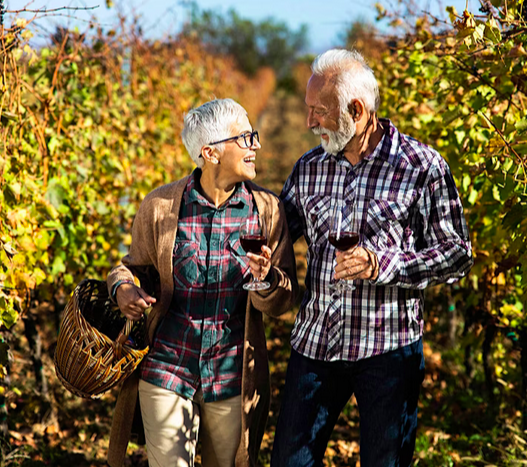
[{"x": 284, "y": 139}]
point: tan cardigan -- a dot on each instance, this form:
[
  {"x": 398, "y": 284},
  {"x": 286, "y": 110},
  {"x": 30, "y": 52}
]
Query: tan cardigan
[{"x": 150, "y": 259}]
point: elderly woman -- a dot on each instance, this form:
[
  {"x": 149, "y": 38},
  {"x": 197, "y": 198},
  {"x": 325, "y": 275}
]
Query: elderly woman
[{"x": 207, "y": 368}]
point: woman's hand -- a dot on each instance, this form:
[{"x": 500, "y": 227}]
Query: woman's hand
[
  {"x": 260, "y": 264},
  {"x": 133, "y": 301}
]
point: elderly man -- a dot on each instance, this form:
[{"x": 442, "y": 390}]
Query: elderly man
[
  {"x": 207, "y": 370},
  {"x": 366, "y": 341}
]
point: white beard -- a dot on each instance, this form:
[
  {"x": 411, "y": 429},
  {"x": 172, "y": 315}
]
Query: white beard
[{"x": 340, "y": 138}]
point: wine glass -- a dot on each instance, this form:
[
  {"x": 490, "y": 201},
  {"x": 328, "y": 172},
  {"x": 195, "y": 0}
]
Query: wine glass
[
  {"x": 344, "y": 234},
  {"x": 253, "y": 236}
]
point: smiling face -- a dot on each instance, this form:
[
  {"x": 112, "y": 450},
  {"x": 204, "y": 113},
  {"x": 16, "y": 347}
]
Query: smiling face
[
  {"x": 237, "y": 163},
  {"x": 325, "y": 118}
]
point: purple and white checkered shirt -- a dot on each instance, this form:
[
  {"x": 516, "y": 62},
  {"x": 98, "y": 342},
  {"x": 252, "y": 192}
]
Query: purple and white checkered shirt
[{"x": 411, "y": 217}]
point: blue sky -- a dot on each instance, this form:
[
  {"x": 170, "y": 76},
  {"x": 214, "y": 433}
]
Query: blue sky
[{"x": 325, "y": 18}]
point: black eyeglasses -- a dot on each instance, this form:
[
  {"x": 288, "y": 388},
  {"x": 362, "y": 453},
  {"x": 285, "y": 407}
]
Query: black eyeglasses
[{"x": 248, "y": 139}]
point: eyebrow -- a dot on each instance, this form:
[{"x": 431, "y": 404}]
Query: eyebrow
[{"x": 317, "y": 107}]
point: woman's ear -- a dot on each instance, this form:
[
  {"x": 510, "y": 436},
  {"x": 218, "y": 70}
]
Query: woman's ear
[{"x": 210, "y": 154}]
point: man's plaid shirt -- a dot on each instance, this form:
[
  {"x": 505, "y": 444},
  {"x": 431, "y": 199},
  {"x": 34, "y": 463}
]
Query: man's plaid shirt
[
  {"x": 200, "y": 341},
  {"x": 411, "y": 218}
]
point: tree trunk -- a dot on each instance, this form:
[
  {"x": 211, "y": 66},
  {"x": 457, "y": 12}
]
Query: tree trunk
[
  {"x": 35, "y": 348},
  {"x": 490, "y": 333},
  {"x": 469, "y": 359},
  {"x": 5, "y": 382},
  {"x": 523, "y": 362},
  {"x": 452, "y": 318}
]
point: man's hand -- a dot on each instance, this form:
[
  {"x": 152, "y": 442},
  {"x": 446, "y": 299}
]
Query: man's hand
[
  {"x": 133, "y": 301},
  {"x": 356, "y": 263},
  {"x": 260, "y": 264}
]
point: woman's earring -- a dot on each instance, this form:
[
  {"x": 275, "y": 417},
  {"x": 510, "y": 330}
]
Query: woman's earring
[{"x": 214, "y": 160}]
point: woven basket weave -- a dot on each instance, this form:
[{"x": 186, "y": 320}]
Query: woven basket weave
[{"x": 93, "y": 352}]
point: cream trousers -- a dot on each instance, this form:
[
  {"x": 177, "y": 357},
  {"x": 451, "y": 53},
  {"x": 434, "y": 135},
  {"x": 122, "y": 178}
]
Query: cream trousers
[{"x": 172, "y": 423}]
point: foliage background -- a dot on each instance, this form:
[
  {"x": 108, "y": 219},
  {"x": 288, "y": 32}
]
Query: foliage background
[{"x": 92, "y": 123}]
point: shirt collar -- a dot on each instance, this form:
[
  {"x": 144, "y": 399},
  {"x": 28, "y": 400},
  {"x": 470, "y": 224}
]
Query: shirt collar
[
  {"x": 387, "y": 149},
  {"x": 192, "y": 195}
]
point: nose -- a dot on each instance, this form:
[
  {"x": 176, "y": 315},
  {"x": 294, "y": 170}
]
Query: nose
[{"x": 256, "y": 144}]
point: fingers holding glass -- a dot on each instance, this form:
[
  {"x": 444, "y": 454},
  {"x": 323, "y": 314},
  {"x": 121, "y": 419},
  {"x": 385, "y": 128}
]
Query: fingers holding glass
[{"x": 260, "y": 264}]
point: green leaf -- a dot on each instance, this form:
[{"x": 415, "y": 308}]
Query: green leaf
[
  {"x": 68, "y": 279},
  {"x": 452, "y": 13},
  {"x": 496, "y": 193},
  {"x": 467, "y": 180},
  {"x": 53, "y": 144},
  {"x": 492, "y": 31},
  {"x": 521, "y": 125},
  {"x": 56, "y": 194},
  {"x": 15, "y": 188},
  {"x": 52, "y": 224},
  {"x": 460, "y": 136},
  {"x": 58, "y": 266},
  {"x": 507, "y": 165},
  {"x": 8, "y": 316},
  {"x": 472, "y": 198}
]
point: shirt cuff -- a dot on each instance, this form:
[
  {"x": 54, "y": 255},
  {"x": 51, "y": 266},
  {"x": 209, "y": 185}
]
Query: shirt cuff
[
  {"x": 116, "y": 286},
  {"x": 388, "y": 265}
]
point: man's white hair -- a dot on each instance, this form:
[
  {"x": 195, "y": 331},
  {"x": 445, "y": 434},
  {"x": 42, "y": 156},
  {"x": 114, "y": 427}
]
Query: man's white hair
[
  {"x": 354, "y": 78},
  {"x": 209, "y": 122}
]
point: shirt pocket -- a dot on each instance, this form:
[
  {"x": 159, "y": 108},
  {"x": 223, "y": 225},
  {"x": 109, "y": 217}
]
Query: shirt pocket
[
  {"x": 185, "y": 264},
  {"x": 386, "y": 224},
  {"x": 317, "y": 214},
  {"x": 237, "y": 269}
]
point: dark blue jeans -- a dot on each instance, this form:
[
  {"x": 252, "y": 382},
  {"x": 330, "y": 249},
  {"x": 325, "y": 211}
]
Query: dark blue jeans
[{"x": 386, "y": 388}]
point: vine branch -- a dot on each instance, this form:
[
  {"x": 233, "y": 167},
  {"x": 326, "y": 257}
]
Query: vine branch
[{"x": 50, "y": 10}]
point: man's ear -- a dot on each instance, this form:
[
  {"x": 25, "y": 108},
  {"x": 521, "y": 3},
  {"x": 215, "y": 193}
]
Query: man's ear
[{"x": 356, "y": 108}]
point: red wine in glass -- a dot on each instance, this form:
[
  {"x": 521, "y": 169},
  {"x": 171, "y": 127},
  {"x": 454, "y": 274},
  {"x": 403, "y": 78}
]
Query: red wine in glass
[
  {"x": 344, "y": 234},
  {"x": 345, "y": 240},
  {"x": 253, "y": 243},
  {"x": 253, "y": 235}
]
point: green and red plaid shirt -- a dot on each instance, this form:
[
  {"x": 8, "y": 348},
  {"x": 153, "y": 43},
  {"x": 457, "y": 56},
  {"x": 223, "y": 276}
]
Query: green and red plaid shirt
[{"x": 200, "y": 341}]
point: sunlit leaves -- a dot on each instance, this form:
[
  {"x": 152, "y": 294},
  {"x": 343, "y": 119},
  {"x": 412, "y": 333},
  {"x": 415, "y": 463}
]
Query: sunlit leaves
[
  {"x": 473, "y": 81},
  {"x": 84, "y": 139}
]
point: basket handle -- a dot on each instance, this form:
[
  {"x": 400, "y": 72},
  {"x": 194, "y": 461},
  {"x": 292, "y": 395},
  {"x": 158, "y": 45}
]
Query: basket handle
[{"x": 125, "y": 332}]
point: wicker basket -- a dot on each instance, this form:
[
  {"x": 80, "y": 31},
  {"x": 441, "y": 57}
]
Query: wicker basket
[{"x": 95, "y": 346}]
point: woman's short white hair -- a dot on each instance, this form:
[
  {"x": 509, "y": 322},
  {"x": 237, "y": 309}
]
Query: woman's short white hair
[
  {"x": 354, "y": 78},
  {"x": 209, "y": 122}
]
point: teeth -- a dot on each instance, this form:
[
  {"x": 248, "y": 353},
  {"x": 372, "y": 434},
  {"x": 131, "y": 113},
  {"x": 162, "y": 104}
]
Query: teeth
[{"x": 249, "y": 159}]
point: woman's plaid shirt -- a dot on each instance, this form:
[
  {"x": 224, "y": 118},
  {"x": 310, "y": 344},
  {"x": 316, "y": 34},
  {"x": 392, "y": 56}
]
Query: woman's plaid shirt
[
  {"x": 411, "y": 218},
  {"x": 200, "y": 342}
]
